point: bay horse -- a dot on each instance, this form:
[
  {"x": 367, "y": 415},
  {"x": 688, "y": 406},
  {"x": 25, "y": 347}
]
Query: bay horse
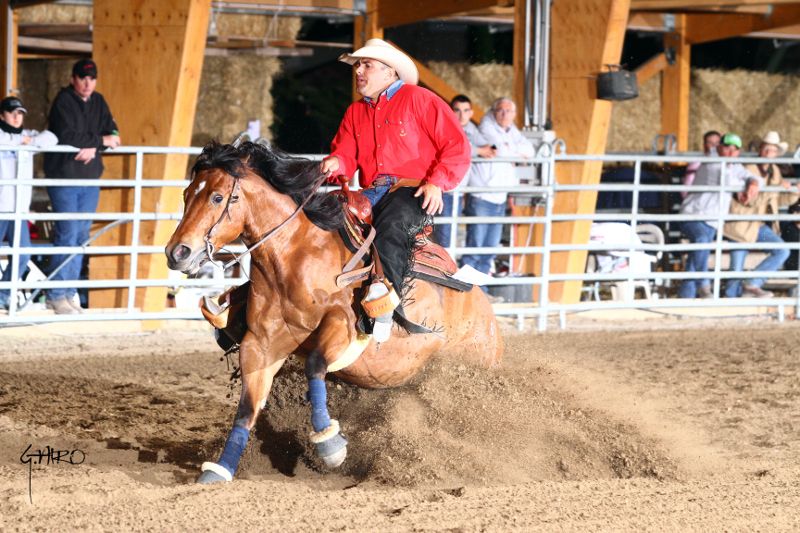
[{"x": 271, "y": 202}]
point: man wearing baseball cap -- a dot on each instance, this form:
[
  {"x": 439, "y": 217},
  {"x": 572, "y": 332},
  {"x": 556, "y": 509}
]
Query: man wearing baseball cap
[
  {"x": 408, "y": 147},
  {"x": 80, "y": 117},
  {"x": 712, "y": 204}
]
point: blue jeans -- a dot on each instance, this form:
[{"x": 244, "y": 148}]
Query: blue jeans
[
  {"x": 441, "y": 231},
  {"x": 774, "y": 261},
  {"x": 7, "y": 234},
  {"x": 482, "y": 235},
  {"x": 70, "y": 232},
  {"x": 696, "y": 260}
]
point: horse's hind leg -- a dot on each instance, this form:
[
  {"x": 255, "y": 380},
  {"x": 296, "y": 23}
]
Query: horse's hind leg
[
  {"x": 329, "y": 443},
  {"x": 257, "y": 373}
]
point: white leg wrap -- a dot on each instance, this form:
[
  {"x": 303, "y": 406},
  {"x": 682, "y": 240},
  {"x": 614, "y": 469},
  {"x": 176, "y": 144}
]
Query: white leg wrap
[
  {"x": 327, "y": 433},
  {"x": 217, "y": 469}
]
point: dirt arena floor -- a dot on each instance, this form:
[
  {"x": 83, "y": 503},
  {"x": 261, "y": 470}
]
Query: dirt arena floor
[{"x": 599, "y": 428}]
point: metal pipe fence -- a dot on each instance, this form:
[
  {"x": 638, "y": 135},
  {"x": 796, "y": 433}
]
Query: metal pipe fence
[{"x": 541, "y": 191}]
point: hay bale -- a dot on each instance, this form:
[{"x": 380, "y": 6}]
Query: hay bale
[
  {"x": 55, "y": 14},
  {"x": 748, "y": 103},
  {"x": 233, "y": 91},
  {"x": 634, "y": 123},
  {"x": 483, "y": 83},
  {"x": 255, "y": 26}
]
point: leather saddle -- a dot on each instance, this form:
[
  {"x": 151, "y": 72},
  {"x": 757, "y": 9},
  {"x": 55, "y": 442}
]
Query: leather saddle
[{"x": 430, "y": 261}]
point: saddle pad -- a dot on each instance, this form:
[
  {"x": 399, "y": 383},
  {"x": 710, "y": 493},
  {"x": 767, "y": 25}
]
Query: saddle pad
[{"x": 434, "y": 256}]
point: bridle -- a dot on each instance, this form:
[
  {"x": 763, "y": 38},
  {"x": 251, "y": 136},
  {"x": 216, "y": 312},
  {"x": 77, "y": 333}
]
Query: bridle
[{"x": 234, "y": 198}]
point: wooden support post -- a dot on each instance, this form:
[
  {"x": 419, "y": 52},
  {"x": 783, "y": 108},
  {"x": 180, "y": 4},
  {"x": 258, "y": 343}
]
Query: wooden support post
[
  {"x": 150, "y": 56},
  {"x": 518, "y": 60},
  {"x": 597, "y": 29},
  {"x": 9, "y": 39},
  {"x": 365, "y": 27},
  {"x": 675, "y": 85}
]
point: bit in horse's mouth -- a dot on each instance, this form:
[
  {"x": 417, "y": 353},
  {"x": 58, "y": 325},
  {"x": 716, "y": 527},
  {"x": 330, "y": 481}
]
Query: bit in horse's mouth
[{"x": 197, "y": 263}]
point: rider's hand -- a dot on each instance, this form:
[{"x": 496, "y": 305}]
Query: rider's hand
[
  {"x": 330, "y": 167},
  {"x": 431, "y": 198}
]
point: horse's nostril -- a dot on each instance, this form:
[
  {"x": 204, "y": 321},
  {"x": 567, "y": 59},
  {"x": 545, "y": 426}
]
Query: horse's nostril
[{"x": 181, "y": 252}]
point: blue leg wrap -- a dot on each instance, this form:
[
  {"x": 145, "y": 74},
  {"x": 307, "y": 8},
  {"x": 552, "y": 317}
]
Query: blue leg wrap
[
  {"x": 317, "y": 395},
  {"x": 234, "y": 448}
]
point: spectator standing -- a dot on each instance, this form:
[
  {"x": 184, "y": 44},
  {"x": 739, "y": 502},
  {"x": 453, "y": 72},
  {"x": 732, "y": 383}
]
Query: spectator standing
[
  {"x": 710, "y": 203},
  {"x": 500, "y": 132},
  {"x": 462, "y": 107},
  {"x": 765, "y": 203},
  {"x": 81, "y": 118},
  {"x": 710, "y": 142},
  {"x": 12, "y": 114}
]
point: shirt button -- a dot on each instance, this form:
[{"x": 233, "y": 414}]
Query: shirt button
[
  {"x": 379, "y": 109},
  {"x": 379, "y": 125},
  {"x": 380, "y": 164}
]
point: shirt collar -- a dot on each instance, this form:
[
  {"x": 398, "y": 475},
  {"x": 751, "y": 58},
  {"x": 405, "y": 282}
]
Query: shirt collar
[{"x": 389, "y": 92}]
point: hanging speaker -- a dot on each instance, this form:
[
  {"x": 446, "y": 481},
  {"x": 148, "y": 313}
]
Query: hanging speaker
[{"x": 617, "y": 84}]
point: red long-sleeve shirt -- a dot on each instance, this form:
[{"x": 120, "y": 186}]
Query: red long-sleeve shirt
[{"x": 412, "y": 135}]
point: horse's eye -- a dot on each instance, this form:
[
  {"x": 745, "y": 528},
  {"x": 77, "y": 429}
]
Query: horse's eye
[{"x": 217, "y": 199}]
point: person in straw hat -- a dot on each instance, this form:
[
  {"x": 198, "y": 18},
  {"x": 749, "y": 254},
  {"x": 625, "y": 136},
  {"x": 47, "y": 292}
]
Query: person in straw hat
[
  {"x": 408, "y": 147},
  {"x": 765, "y": 203}
]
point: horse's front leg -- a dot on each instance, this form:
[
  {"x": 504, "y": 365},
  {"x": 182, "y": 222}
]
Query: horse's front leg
[
  {"x": 336, "y": 348},
  {"x": 258, "y": 367},
  {"x": 328, "y": 441}
]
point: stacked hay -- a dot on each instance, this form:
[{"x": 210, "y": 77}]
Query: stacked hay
[
  {"x": 748, "y": 103},
  {"x": 483, "y": 83},
  {"x": 635, "y": 123},
  {"x": 236, "y": 89}
]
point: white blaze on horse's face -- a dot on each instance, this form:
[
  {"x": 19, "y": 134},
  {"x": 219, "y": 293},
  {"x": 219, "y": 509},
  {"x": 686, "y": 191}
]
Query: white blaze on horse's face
[{"x": 200, "y": 187}]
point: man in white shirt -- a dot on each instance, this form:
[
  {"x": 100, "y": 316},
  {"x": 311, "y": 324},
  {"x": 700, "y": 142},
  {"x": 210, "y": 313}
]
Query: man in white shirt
[{"x": 500, "y": 132}]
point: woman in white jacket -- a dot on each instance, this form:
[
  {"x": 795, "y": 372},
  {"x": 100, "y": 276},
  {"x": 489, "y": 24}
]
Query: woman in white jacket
[{"x": 12, "y": 113}]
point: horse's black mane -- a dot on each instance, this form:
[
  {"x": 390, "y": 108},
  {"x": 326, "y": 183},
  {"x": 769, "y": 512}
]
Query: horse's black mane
[{"x": 293, "y": 176}]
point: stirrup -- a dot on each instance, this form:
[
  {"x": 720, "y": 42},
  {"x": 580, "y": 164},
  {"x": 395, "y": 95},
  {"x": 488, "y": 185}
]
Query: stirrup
[{"x": 381, "y": 305}]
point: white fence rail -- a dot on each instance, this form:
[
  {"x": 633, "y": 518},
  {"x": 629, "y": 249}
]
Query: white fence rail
[{"x": 543, "y": 189}]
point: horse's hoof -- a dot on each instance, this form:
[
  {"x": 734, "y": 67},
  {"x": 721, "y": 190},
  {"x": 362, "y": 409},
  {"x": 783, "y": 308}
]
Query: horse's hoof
[
  {"x": 330, "y": 445},
  {"x": 213, "y": 473},
  {"x": 333, "y": 451}
]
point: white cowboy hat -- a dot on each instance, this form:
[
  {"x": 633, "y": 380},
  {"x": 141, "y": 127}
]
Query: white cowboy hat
[
  {"x": 385, "y": 53},
  {"x": 772, "y": 137}
]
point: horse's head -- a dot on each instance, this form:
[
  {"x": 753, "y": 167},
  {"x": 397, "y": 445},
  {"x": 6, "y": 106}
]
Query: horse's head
[
  {"x": 209, "y": 219},
  {"x": 218, "y": 210}
]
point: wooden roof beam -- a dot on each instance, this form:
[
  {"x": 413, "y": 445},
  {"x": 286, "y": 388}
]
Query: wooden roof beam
[
  {"x": 693, "y": 5},
  {"x": 399, "y": 12},
  {"x": 703, "y": 28},
  {"x": 650, "y": 68}
]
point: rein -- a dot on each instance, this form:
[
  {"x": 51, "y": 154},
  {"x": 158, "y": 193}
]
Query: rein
[{"x": 233, "y": 198}]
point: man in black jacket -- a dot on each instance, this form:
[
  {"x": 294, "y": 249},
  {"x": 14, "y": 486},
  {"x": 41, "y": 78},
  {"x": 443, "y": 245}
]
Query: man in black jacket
[{"x": 79, "y": 117}]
